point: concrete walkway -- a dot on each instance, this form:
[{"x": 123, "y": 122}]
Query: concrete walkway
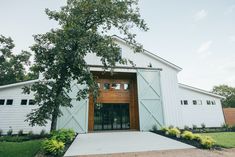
[{"x": 121, "y": 142}]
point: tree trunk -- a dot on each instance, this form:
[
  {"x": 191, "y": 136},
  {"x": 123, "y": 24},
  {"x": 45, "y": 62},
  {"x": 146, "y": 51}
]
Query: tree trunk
[{"x": 54, "y": 118}]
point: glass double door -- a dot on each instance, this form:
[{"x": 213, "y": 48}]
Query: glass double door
[{"x": 111, "y": 116}]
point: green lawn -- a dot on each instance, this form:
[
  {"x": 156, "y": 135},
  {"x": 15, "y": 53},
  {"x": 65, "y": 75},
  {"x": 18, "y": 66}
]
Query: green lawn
[
  {"x": 20, "y": 149},
  {"x": 223, "y": 139}
]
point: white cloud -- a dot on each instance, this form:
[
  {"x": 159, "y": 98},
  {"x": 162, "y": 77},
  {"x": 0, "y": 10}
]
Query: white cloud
[
  {"x": 230, "y": 10},
  {"x": 204, "y": 49},
  {"x": 200, "y": 15},
  {"x": 205, "y": 46}
]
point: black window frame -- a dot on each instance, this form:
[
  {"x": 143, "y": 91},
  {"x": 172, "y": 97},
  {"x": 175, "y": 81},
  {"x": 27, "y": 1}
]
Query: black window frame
[
  {"x": 3, "y": 102},
  {"x": 181, "y": 102},
  {"x": 107, "y": 86},
  {"x": 9, "y": 100},
  {"x": 185, "y": 102},
  {"x": 25, "y": 102},
  {"x": 32, "y": 100},
  {"x": 208, "y": 102},
  {"x": 194, "y": 102}
]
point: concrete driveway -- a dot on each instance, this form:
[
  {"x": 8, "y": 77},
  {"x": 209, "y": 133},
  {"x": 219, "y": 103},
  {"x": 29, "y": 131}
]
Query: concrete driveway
[{"x": 121, "y": 142}]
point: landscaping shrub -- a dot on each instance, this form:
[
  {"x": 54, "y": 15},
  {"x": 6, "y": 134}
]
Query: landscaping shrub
[
  {"x": 64, "y": 135},
  {"x": 1, "y": 132},
  {"x": 197, "y": 137},
  {"x": 30, "y": 133},
  {"x": 174, "y": 132},
  {"x": 9, "y": 132},
  {"x": 207, "y": 142},
  {"x": 194, "y": 127},
  {"x": 203, "y": 125},
  {"x": 232, "y": 128},
  {"x": 53, "y": 147},
  {"x": 154, "y": 128},
  {"x": 171, "y": 126},
  {"x": 164, "y": 129},
  {"x": 188, "y": 135},
  {"x": 43, "y": 133},
  {"x": 186, "y": 127},
  {"x": 20, "y": 132}
]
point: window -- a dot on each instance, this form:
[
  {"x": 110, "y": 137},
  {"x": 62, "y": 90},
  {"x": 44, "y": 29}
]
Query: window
[
  {"x": 106, "y": 86},
  {"x": 199, "y": 102},
  {"x": 208, "y": 102},
  {"x": 126, "y": 86},
  {"x": 194, "y": 102},
  {"x": 116, "y": 86},
  {"x": 185, "y": 102},
  {"x": 2, "y": 101},
  {"x": 31, "y": 102},
  {"x": 213, "y": 102},
  {"x": 23, "y": 102},
  {"x": 181, "y": 102},
  {"x": 9, "y": 101}
]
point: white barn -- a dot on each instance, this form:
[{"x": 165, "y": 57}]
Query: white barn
[{"x": 133, "y": 98}]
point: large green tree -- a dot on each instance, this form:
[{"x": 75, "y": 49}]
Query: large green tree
[
  {"x": 228, "y": 92},
  {"x": 59, "y": 54},
  {"x": 12, "y": 66}
]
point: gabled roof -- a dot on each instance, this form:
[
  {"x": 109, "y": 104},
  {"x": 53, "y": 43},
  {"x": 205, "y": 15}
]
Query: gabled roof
[
  {"x": 151, "y": 54},
  {"x": 200, "y": 91},
  {"x": 18, "y": 84}
]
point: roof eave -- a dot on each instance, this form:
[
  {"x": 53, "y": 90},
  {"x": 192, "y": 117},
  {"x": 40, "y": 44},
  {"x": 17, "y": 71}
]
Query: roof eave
[
  {"x": 151, "y": 54},
  {"x": 200, "y": 90},
  {"x": 18, "y": 84}
]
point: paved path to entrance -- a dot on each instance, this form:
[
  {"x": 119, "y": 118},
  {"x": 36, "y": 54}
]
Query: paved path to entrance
[{"x": 121, "y": 142}]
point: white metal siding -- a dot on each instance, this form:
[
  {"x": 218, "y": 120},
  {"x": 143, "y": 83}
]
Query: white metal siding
[
  {"x": 13, "y": 116},
  {"x": 210, "y": 115}
]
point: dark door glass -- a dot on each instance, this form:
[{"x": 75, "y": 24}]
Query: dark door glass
[{"x": 111, "y": 117}]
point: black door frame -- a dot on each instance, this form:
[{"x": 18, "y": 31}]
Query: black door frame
[{"x": 110, "y": 110}]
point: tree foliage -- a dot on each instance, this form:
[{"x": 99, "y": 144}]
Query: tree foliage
[
  {"x": 229, "y": 94},
  {"x": 12, "y": 66},
  {"x": 59, "y": 53}
]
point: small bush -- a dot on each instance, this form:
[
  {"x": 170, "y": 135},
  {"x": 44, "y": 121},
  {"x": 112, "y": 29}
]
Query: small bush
[
  {"x": 197, "y": 137},
  {"x": 1, "y": 132},
  {"x": 53, "y": 147},
  {"x": 224, "y": 125},
  {"x": 164, "y": 129},
  {"x": 20, "y": 132},
  {"x": 174, "y": 132},
  {"x": 9, "y": 132},
  {"x": 203, "y": 125},
  {"x": 64, "y": 135},
  {"x": 30, "y": 133},
  {"x": 194, "y": 127},
  {"x": 207, "y": 142},
  {"x": 232, "y": 128},
  {"x": 186, "y": 127},
  {"x": 154, "y": 128},
  {"x": 188, "y": 135},
  {"x": 171, "y": 126},
  {"x": 43, "y": 133}
]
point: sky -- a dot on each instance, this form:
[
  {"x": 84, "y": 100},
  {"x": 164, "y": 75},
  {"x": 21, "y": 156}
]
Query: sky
[{"x": 197, "y": 35}]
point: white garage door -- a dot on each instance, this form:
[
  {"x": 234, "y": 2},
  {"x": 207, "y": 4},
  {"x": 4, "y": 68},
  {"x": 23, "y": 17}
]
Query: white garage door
[{"x": 150, "y": 99}]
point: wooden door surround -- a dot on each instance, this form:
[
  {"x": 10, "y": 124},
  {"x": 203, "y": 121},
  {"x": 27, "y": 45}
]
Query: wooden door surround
[{"x": 116, "y": 89}]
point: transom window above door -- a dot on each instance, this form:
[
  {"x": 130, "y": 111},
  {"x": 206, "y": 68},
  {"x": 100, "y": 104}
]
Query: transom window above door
[{"x": 112, "y": 85}]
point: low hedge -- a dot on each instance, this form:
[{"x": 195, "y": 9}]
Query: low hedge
[
  {"x": 58, "y": 143},
  {"x": 188, "y": 137}
]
